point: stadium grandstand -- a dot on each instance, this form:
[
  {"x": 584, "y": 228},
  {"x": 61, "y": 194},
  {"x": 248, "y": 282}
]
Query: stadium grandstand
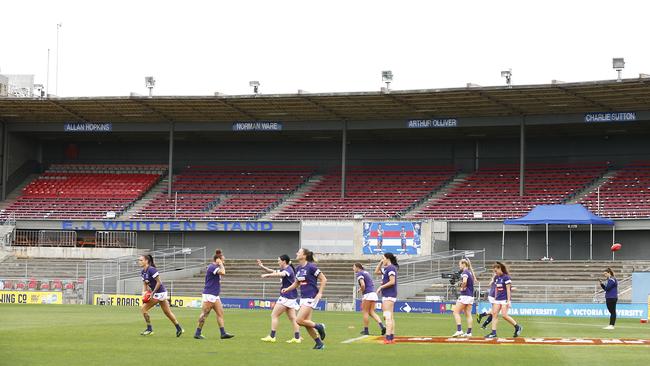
[{"x": 88, "y": 183}]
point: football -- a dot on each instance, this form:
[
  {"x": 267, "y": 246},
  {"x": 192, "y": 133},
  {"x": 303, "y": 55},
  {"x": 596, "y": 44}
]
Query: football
[{"x": 616, "y": 247}]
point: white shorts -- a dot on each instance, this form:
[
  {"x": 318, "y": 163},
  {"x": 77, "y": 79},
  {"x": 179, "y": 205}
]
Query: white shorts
[
  {"x": 160, "y": 296},
  {"x": 491, "y": 299},
  {"x": 391, "y": 299},
  {"x": 466, "y": 300},
  {"x": 311, "y": 303},
  {"x": 370, "y": 296},
  {"x": 500, "y": 302},
  {"x": 209, "y": 298},
  {"x": 288, "y": 303}
]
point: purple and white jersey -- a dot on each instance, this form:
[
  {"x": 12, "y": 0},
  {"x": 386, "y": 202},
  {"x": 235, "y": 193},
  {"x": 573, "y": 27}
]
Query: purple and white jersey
[
  {"x": 149, "y": 277},
  {"x": 287, "y": 280},
  {"x": 370, "y": 285},
  {"x": 212, "y": 280},
  {"x": 307, "y": 276},
  {"x": 469, "y": 289},
  {"x": 493, "y": 287},
  {"x": 501, "y": 291},
  {"x": 388, "y": 271}
]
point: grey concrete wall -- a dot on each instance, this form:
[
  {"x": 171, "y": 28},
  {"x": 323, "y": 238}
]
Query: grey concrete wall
[
  {"x": 234, "y": 244},
  {"x": 636, "y": 244}
]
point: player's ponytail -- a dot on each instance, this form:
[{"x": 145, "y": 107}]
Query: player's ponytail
[
  {"x": 285, "y": 258},
  {"x": 359, "y": 265},
  {"x": 150, "y": 260},
  {"x": 309, "y": 255},
  {"x": 609, "y": 270},
  {"x": 392, "y": 258}
]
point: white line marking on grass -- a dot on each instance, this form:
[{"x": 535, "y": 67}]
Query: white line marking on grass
[{"x": 351, "y": 340}]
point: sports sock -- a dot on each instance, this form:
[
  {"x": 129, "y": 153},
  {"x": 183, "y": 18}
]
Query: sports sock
[
  {"x": 296, "y": 335},
  {"x": 459, "y": 328},
  {"x": 149, "y": 328},
  {"x": 272, "y": 334},
  {"x": 223, "y": 330}
]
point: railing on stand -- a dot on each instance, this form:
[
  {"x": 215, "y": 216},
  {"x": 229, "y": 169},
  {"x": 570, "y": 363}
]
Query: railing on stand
[{"x": 105, "y": 275}]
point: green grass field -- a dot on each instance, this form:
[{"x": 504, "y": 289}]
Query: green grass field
[{"x": 94, "y": 335}]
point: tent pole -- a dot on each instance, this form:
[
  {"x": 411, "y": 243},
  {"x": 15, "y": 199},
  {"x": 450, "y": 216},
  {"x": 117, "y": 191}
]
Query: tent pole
[
  {"x": 547, "y": 241},
  {"x": 570, "y": 243},
  {"x": 503, "y": 240},
  {"x": 591, "y": 242},
  {"x": 527, "y": 257},
  {"x": 613, "y": 240}
]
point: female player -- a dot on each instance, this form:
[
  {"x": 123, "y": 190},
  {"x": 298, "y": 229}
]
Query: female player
[
  {"x": 287, "y": 302},
  {"x": 154, "y": 292},
  {"x": 369, "y": 298},
  {"x": 210, "y": 297},
  {"x": 502, "y": 298},
  {"x": 466, "y": 299},
  {"x": 307, "y": 277},
  {"x": 387, "y": 267},
  {"x": 610, "y": 285}
]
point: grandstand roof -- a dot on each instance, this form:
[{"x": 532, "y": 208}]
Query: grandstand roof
[{"x": 563, "y": 98}]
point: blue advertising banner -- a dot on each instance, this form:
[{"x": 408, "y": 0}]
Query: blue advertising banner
[
  {"x": 633, "y": 311},
  {"x": 432, "y": 123},
  {"x": 418, "y": 307},
  {"x": 259, "y": 304},
  {"x": 610, "y": 117},
  {"x": 87, "y": 127},
  {"x": 394, "y": 237},
  {"x": 257, "y": 126}
]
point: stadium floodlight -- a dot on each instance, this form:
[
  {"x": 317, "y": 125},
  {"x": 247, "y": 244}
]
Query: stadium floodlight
[
  {"x": 508, "y": 75},
  {"x": 255, "y": 85},
  {"x": 387, "y": 77},
  {"x": 150, "y": 82},
  {"x": 618, "y": 63}
]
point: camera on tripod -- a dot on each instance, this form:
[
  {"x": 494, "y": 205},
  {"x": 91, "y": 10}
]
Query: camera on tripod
[{"x": 453, "y": 277}]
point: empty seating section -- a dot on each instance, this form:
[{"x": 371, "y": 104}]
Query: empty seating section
[
  {"x": 625, "y": 195},
  {"x": 225, "y": 193},
  {"x": 494, "y": 192},
  {"x": 374, "y": 192},
  {"x": 69, "y": 191}
]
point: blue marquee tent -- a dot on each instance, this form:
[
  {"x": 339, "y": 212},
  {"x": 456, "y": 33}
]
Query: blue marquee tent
[{"x": 573, "y": 214}]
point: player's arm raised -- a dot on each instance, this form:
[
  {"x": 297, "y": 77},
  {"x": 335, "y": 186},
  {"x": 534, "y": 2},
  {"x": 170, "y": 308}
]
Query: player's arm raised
[{"x": 262, "y": 266}]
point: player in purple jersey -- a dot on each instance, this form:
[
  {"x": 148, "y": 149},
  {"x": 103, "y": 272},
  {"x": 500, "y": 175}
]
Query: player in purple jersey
[
  {"x": 152, "y": 283},
  {"x": 387, "y": 268},
  {"x": 610, "y": 286},
  {"x": 466, "y": 298},
  {"x": 502, "y": 298},
  {"x": 287, "y": 302},
  {"x": 210, "y": 297},
  {"x": 307, "y": 278},
  {"x": 368, "y": 298}
]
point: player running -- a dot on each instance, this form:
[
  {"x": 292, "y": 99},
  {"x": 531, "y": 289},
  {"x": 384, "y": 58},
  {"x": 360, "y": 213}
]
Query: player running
[
  {"x": 154, "y": 292},
  {"x": 491, "y": 300},
  {"x": 307, "y": 277},
  {"x": 210, "y": 296},
  {"x": 502, "y": 298},
  {"x": 369, "y": 298},
  {"x": 287, "y": 302},
  {"x": 387, "y": 267},
  {"x": 466, "y": 299}
]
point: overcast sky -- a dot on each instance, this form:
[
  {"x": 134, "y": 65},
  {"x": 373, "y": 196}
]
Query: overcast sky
[{"x": 199, "y": 47}]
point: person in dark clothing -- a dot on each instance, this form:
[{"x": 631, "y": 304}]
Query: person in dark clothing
[{"x": 610, "y": 286}]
